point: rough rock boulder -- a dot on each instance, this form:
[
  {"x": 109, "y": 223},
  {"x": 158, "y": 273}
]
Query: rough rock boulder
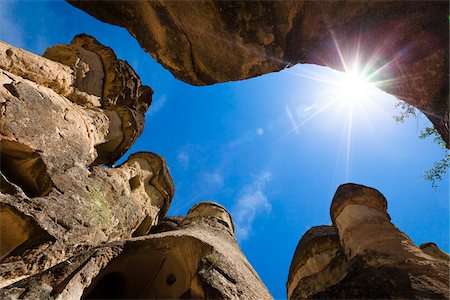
[{"x": 363, "y": 255}]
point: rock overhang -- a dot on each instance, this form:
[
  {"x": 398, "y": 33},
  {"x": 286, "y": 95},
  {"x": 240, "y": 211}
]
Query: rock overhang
[{"x": 405, "y": 43}]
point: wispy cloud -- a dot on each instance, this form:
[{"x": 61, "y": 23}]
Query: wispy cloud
[
  {"x": 157, "y": 104},
  {"x": 245, "y": 138},
  {"x": 307, "y": 108},
  {"x": 251, "y": 202},
  {"x": 212, "y": 180},
  {"x": 183, "y": 158}
]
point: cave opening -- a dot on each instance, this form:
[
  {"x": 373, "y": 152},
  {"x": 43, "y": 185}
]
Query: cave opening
[
  {"x": 24, "y": 167},
  {"x": 110, "y": 286},
  {"x": 14, "y": 231},
  {"x": 19, "y": 232},
  {"x": 142, "y": 274}
]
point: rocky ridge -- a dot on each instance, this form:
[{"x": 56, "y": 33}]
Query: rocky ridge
[{"x": 71, "y": 227}]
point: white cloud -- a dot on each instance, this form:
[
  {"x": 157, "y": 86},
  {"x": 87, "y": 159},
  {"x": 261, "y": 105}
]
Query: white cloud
[
  {"x": 247, "y": 137},
  {"x": 308, "y": 108},
  {"x": 183, "y": 158},
  {"x": 260, "y": 131},
  {"x": 213, "y": 180},
  {"x": 158, "y": 104},
  {"x": 251, "y": 202}
]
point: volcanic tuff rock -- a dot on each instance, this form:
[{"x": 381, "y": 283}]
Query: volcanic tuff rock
[
  {"x": 71, "y": 228},
  {"x": 197, "y": 257},
  {"x": 56, "y": 129},
  {"x": 363, "y": 255},
  {"x": 404, "y": 43}
]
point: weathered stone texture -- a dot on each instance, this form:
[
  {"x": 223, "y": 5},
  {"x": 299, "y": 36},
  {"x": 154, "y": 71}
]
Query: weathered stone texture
[
  {"x": 71, "y": 228},
  {"x": 198, "y": 258},
  {"x": 121, "y": 94},
  {"x": 319, "y": 262},
  {"x": 363, "y": 255},
  {"x": 204, "y": 42},
  {"x": 55, "y": 200}
]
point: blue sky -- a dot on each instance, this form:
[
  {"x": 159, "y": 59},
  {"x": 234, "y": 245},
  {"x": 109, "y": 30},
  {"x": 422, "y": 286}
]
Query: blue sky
[{"x": 236, "y": 144}]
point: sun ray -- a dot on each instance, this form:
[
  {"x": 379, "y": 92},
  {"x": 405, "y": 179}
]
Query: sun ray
[
  {"x": 322, "y": 109},
  {"x": 338, "y": 49},
  {"x": 296, "y": 127},
  {"x": 315, "y": 78},
  {"x": 349, "y": 144}
]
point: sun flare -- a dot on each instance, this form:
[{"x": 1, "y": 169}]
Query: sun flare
[{"x": 353, "y": 86}]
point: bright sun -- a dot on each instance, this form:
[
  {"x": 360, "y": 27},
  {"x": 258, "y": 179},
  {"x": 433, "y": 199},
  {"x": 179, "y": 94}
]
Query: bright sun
[
  {"x": 353, "y": 86},
  {"x": 348, "y": 93}
]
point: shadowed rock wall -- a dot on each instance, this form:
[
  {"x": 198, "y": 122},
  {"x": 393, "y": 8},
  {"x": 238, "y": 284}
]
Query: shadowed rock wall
[
  {"x": 363, "y": 255},
  {"x": 403, "y": 44}
]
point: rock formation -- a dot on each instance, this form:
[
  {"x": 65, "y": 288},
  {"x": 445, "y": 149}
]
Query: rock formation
[
  {"x": 363, "y": 255},
  {"x": 404, "y": 43},
  {"x": 71, "y": 227},
  {"x": 196, "y": 256}
]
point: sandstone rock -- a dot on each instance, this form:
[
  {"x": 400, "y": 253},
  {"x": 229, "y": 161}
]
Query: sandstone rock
[
  {"x": 54, "y": 201},
  {"x": 215, "y": 41},
  {"x": 433, "y": 250},
  {"x": 71, "y": 229},
  {"x": 363, "y": 255},
  {"x": 99, "y": 72},
  {"x": 319, "y": 263},
  {"x": 33, "y": 67},
  {"x": 198, "y": 258}
]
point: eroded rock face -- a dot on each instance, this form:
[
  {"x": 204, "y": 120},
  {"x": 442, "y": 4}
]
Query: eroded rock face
[
  {"x": 197, "y": 258},
  {"x": 433, "y": 250},
  {"x": 319, "y": 262},
  {"x": 363, "y": 255},
  {"x": 215, "y": 41},
  {"x": 55, "y": 199},
  {"x": 99, "y": 72},
  {"x": 70, "y": 228}
]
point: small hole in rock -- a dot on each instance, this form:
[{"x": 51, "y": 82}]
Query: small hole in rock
[
  {"x": 171, "y": 279},
  {"x": 135, "y": 182}
]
